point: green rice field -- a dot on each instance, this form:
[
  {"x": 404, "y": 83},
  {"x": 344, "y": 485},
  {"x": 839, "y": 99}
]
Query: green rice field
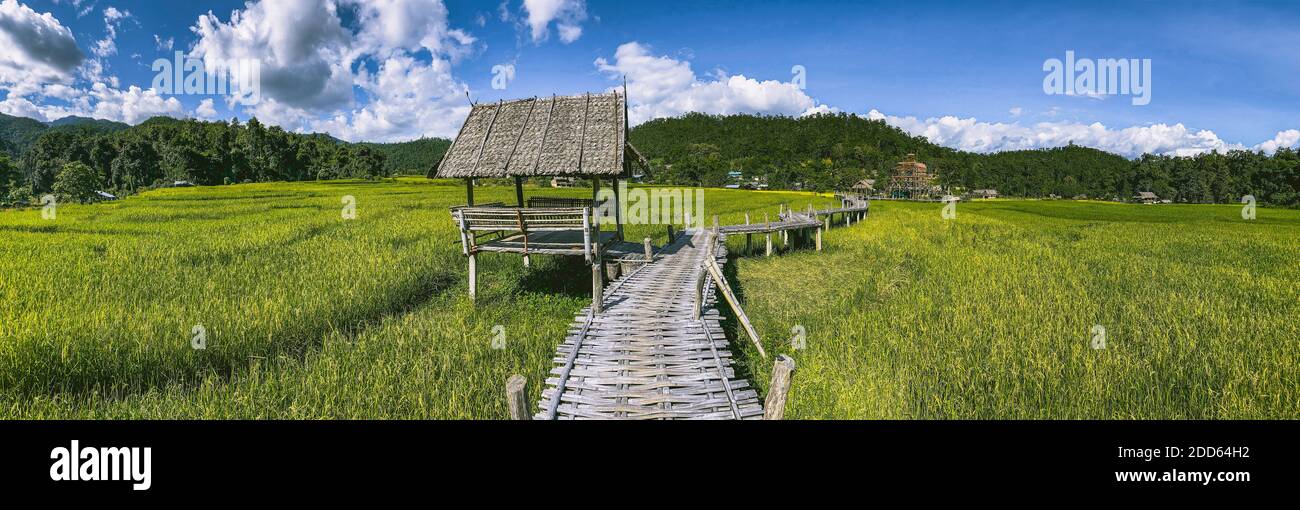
[{"x": 304, "y": 314}]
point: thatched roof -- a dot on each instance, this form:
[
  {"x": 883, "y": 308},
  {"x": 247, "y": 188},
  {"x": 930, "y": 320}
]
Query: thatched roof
[
  {"x": 566, "y": 135},
  {"x": 1146, "y": 195}
]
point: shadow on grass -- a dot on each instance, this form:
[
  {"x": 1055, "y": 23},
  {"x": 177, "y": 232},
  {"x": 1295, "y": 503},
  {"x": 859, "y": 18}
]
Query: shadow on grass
[
  {"x": 566, "y": 276},
  {"x": 130, "y": 373},
  {"x": 744, "y": 355}
]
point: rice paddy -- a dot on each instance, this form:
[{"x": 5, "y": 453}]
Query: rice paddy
[{"x": 306, "y": 314}]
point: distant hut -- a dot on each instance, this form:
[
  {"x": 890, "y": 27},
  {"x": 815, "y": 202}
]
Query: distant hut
[
  {"x": 566, "y": 136},
  {"x": 865, "y": 186},
  {"x": 911, "y": 179},
  {"x": 984, "y": 193},
  {"x": 1146, "y": 197},
  {"x": 563, "y": 182}
]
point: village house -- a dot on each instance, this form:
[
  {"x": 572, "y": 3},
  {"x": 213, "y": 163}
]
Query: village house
[{"x": 1146, "y": 197}]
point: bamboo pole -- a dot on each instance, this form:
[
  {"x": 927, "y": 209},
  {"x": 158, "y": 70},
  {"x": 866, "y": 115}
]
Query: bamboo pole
[{"x": 721, "y": 283}]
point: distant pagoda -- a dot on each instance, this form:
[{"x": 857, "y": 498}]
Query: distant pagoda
[{"x": 911, "y": 179}]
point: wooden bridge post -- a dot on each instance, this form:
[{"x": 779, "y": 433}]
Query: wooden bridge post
[
  {"x": 779, "y": 389},
  {"x": 828, "y": 222},
  {"x": 749, "y": 238},
  {"x": 819, "y": 239},
  {"x": 670, "y": 234},
  {"x": 767, "y": 224},
  {"x": 649, "y": 251},
  {"x": 517, "y": 397}
]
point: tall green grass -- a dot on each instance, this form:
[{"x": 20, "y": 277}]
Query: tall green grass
[
  {"x": 990, "y": 314},
  {"x": 307, "y": 314},
  {"x": 907, "y": 315}
]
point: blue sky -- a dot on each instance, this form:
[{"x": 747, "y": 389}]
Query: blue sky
[{"x": 969, "y": 76}]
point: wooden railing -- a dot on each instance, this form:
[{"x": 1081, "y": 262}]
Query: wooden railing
[
  {"x": 472, "y": 220},
  {"x": 552, "y": 202}
]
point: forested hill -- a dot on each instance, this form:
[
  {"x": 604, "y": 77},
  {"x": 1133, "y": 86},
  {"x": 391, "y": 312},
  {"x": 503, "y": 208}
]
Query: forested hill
[
  {"x": 832, "y": 152},
  {"x": 18, "y": 133},
  {"x": 162, "y": 149},
  {"x": 820, "y": 152},
  {"x": 416, "y": 157}
]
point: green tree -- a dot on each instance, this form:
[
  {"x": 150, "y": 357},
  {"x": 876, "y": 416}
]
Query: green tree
[
  {"x": 136, "y": 165},
  {"x": 76, "y": 181},
  {"x": 9, "y": 176}
]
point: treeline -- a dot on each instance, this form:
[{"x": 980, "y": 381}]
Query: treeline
[
  {"x": 833, "y": 152},
  {"x": 163, "y": 150},
  {"x": 416, "y": 157}
]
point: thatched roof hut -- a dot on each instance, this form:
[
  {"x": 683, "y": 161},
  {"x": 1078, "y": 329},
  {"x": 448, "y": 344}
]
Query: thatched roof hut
[{"x": 566, "y": 135}]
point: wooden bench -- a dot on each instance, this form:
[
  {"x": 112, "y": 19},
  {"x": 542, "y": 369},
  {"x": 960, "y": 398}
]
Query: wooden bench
[{"x": 548, "y": 231}]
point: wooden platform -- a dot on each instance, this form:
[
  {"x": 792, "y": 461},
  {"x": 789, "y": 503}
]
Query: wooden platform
[{"x": 646, "y": 356}]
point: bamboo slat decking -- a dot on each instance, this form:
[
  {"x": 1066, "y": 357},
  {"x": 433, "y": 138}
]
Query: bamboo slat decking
[{"x": 646, "y": 355}]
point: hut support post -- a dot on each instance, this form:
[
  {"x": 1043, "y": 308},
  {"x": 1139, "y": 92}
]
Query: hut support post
[
  {"x": 519, "y": 190},
  {"x": 469, "y": 191},
  {"x": 618, "y": 208},
  {"x": 473, "y": 275},
  {"x": 597, "y": 283}
]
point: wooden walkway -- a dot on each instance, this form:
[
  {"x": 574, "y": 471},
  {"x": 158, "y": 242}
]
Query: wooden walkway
[{"x": 646, "y": 355}]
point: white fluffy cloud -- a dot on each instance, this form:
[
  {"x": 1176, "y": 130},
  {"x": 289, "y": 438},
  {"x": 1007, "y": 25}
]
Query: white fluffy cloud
[
  {"x": 568, "y": 16},
  {"x": 1287, "y": 138},
  {"x": 313, "y": 67},
  {"x": 301, "y": 46},
  {"x": 661, "y": 86},
  {"x": 395, "y": 25},
  {"x": 408, "y": 100},
  {"x": 972, "y": 135},
  {"x": 21, "y": 107},
  {"x": 37, "y": 48},
  {"x": 132, "y": 105},
  {"x": 206, "y": 110},
  {"x": 107, "y": 46}
]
